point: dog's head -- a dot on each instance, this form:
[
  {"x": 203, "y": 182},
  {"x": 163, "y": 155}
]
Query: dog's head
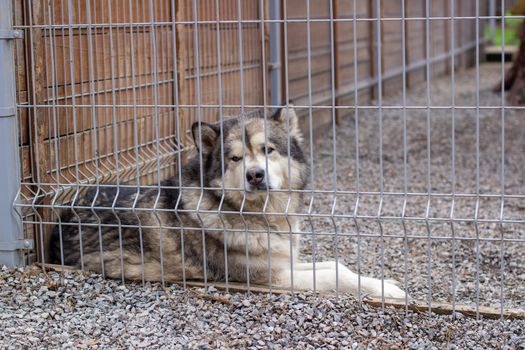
[{"x": 252, "y": 154}]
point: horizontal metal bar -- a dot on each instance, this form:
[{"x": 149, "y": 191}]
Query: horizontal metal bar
[
  {"x": 312, "y": 192},
  {"x": 258, "y": 21},
  {"x": 407, "y": 218},
  {"x": 298, "y": 106},
  {"x": 11, "y": 34},
  {"x": 6, "y": 112},
  {"x": 8, "y": 246},
  {"x": 290, "y": 232}
]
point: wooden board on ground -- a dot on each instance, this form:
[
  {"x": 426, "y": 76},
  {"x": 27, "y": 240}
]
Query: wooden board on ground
[{"x": 414, "y": 305}]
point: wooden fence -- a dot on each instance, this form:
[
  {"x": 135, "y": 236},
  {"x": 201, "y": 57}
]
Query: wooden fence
[{"x": 390, "y": 62}]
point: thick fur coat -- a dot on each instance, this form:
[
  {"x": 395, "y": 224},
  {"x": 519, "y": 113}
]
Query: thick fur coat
[{"x": 232, "y": 217}]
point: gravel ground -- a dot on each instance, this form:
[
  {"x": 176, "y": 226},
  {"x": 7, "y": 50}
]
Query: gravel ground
[
  {"x": 85, "y": 311},
  {"x": 433, "y": 267}
]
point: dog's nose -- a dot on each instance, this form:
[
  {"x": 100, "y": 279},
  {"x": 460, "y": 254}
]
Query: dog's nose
[{"x": 255, "y": 176}]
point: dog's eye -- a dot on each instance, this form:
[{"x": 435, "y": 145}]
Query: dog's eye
[
  {"x": 236, "y": 159},
  {"x": 268, "y": 150}
]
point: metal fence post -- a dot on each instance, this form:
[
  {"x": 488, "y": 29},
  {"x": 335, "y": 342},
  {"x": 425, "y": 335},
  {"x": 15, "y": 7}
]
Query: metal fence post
[
  {"x": 492, "y": 20},
  {"x": 11, "y": 236},
  {"x": 275, "y": 53}
]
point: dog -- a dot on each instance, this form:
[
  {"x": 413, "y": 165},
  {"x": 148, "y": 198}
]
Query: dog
[{"x": 229, "y": 216}]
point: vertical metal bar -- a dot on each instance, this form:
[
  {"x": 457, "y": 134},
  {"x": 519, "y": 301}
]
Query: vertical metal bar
[
  {"x": 63, "y": 52},
  {"x": 429, "y": 163},
  {"x": 476, "y": 213},
  {"x": 262, "y": 15},
  {"x": 275, "y": 53},
  {"x": 502, "y": 155},
  {"x": 83, "y": 80},
  {"x": 136, "y": 140},
  {"x": 155, "y": 88},
  {"x": 243, "y": 128},
  {"x": 199, "y": 120},
  {"x": 453, "y": 145},
  {"x": 311, "y": 141},
  {"x": 221, "y": 120},
  {"x": 49, "y": 36},
  {"x": 380, "y": 122},
  {"x": 405, "y": 152},
  {"x": 357, "y": 160},
  {"x": 75, "y": 140},
  {"x": 10, "y": 222},
  {"x": 56, "y": 126},
  {"x": 35, "y": 44},
  {"x": 175, "y": 45},
  {"x": 115, "y": 135},
  {"x": 91, "y": 78},
  {"x": 334, "y": 144},
  {"x": 492, "y": 19},
  {"x": 39, "y": 48},
  {"x": 287, "y": 98},
  {"x": 336, "y": 64}
]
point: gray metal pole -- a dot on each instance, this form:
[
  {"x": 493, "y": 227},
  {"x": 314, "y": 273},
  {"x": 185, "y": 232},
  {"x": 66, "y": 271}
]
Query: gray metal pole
[
  {"x": 275, "y": 54},
  {"x": 11, "y": 236},
  {"x": 492, "y": 20}
]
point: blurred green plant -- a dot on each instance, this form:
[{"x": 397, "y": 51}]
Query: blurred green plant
[{"x": 510, "y": 35}]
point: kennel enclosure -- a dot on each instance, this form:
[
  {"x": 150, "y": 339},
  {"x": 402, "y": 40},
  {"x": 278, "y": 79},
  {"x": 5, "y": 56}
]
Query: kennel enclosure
[{"x": 99, "y": 92}]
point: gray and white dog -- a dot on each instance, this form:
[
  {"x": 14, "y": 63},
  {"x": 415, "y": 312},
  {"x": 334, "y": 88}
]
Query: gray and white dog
[{"x": 211, "y": 226}]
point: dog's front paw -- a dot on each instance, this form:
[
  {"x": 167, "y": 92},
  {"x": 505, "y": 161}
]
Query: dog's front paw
[{"x": 391, "y": 290}]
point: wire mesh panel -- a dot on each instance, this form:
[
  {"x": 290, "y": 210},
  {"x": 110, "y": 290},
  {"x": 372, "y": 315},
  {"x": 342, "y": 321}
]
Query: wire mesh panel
[
  {"x": 150, "y": 150},
  {"x": 108, "y": 81}
]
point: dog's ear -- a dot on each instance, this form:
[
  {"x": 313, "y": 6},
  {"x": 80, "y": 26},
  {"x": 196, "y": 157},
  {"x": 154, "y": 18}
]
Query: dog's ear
[
  {"x": 288, "y": 119},
  {"x": 209, "y": 135}
]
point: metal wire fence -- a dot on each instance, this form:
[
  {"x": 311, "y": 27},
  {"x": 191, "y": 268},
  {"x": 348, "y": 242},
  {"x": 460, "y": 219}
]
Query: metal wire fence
[{"x": 395, "y": 161}]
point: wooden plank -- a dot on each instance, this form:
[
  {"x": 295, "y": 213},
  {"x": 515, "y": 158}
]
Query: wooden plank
[
  {"x": 95, "y": 65},
  {"x": 416, "y": 306},
  {"x": 447, "y": 309},
  {"x": 298, "y": 39},
  {"x": 98, "y": 11},
  {"x": 62, "y": 114},
  {"x": 347, "y": 73},
  {"x": 320, "y": 82},
  {"x": 298, "y": 68},
  {"x": 296, "y": 9},
  {"x": 106, "y": 173},
  {"x": 320, "y": 51},
  {"x": 392, "y": 50},
  {"x": 62, "y": 148}
]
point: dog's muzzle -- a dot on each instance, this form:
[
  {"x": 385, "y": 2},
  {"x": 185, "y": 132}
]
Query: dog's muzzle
[{"x": 256, "y": 179}]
